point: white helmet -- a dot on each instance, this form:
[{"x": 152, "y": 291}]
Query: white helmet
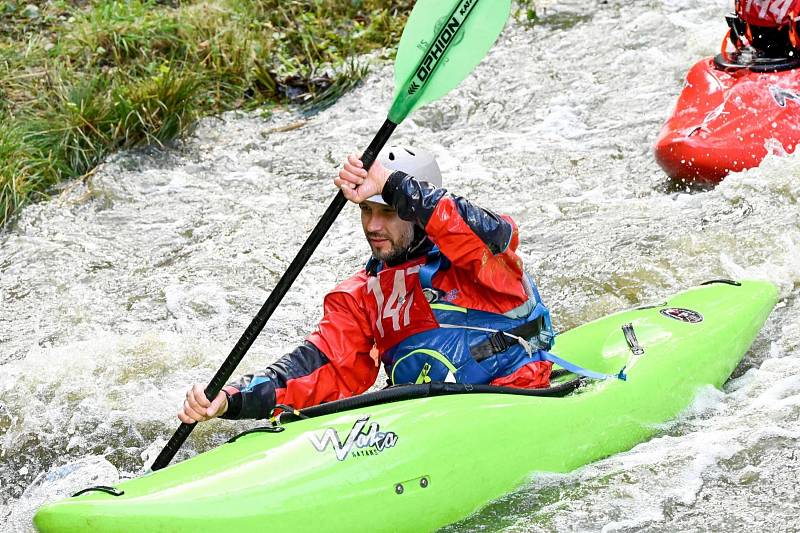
[{"x": 413, "y": 161}]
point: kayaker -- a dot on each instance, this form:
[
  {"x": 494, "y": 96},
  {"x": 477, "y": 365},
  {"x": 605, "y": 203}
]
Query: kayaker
[
  {"x": 443, "y": 298},
  {"x": 766, "y": 26}
]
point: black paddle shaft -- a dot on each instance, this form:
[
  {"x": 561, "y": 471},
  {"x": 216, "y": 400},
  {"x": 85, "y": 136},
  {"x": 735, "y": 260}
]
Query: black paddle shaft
[{"x": 260, "y": 320}]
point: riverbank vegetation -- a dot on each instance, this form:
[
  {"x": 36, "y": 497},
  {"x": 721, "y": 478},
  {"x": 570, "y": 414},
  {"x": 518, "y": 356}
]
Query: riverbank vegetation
[{"x": 80, "y": 79}]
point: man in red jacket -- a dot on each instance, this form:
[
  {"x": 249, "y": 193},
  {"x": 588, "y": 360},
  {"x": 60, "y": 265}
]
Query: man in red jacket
[
  {"x": 770, "y": 13},
  {"x": 443, "y": 298},
  {"x": 768, "y": 26}
]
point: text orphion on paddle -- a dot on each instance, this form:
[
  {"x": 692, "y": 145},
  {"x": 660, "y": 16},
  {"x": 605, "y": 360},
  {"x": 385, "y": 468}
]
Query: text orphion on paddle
[{"x": 445, "y": 33}]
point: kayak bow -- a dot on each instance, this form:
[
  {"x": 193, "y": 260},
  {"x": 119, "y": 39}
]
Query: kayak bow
[{"x": 728, "y": 120}]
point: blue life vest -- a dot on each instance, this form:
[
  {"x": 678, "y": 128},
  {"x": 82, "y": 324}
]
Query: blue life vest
[{"x": 444, "y": 354}]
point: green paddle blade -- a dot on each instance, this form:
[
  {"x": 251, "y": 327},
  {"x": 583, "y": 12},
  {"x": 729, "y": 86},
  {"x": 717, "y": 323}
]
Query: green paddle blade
[{"x": 442, "y": 42}]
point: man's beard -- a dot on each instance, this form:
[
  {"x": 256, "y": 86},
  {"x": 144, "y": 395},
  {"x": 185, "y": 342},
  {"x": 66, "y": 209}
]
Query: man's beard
[
  {"x": 398, "y": 250},
  {"x": 418, "y": 244}
]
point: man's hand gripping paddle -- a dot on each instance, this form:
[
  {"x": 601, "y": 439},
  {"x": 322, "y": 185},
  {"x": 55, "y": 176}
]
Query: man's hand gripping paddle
[{"x": 442, "y": 42}]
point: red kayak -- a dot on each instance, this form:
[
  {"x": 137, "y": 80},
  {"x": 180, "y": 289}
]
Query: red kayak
[{"x": 734, "y": 109}]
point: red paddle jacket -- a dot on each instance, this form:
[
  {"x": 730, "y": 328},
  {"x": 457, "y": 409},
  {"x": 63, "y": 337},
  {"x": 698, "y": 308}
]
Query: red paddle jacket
[
  {"x": 769, "y": 13},
  {"x": 335, "y": 361}
]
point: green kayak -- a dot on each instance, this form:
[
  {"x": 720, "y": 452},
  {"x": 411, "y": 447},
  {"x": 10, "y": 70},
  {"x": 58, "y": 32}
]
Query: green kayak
[{"x": 418, "y": 457}]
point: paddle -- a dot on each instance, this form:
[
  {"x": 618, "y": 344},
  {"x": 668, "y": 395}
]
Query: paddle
[{"x": 442, "y": 42}]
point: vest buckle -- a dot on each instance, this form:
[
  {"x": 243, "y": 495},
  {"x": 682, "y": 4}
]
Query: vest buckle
[{"x": 499, "y": 342}]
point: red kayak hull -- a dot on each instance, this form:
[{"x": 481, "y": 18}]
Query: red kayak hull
[{"x": 728, "y": 121}]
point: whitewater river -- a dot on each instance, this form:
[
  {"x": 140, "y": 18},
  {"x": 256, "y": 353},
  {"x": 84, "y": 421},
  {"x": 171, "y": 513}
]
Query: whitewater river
[{"x": 120, "y": 292}]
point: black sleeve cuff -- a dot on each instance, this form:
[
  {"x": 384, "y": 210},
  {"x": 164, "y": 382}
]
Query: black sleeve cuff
[
  {"x": 415, "y": 200},
  {"x": 392, "y": 188},
  {"x": 234, "y": 406}
]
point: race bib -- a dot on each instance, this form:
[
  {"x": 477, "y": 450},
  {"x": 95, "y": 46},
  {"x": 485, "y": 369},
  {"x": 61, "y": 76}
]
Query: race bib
[
  {"x": 771, "y": 13},
  {"x": 398, "y": 308}
]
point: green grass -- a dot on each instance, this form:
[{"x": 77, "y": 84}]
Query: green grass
[{"x": 79, "y": 80}]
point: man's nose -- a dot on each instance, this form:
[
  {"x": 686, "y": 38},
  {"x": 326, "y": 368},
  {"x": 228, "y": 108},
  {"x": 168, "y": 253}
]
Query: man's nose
[{"x": 376, "y": 223}]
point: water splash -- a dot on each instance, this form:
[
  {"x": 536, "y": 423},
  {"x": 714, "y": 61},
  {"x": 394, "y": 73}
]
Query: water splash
[{"x": 131, "y": 286}]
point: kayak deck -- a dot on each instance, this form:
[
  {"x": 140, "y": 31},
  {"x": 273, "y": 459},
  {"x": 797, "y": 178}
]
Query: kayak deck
[{"x": 418, "y": 464}]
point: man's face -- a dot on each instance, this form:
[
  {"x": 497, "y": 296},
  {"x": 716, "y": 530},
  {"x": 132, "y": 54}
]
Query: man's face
[{"x": 388, "y": 235}]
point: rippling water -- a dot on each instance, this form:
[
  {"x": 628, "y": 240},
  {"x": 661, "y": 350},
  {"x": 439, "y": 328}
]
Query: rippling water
[{"x": 125, "y": 289}]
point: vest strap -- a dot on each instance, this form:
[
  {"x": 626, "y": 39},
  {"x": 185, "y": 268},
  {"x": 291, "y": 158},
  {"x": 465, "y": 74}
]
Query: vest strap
[
  {"x": 503, "y": 340},
  {"x": 579, "y": 370},
  {"x": 500, "y": 341},
  {"x": 434, "y": 262},
  {"x": 373, "y": 266}
]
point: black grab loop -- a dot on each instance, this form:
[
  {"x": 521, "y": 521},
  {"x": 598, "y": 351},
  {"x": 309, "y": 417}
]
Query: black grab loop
[
  {"x": 260, "y": 429},
  {"x": 286, "y": 409},
  {"x": 725, "y": 281},
  {"x": 101, "y": 488}
]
